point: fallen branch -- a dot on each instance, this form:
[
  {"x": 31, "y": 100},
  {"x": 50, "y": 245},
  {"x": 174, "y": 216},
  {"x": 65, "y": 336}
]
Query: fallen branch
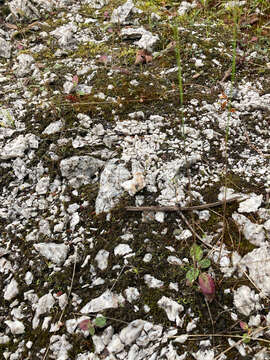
[{"x": 183, "y": 208}]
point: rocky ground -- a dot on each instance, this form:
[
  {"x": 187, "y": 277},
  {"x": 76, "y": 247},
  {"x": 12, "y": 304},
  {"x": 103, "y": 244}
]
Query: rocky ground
[{"x": 93, "y": 123}]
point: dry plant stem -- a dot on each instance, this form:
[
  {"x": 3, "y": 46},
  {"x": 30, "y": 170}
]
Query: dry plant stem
[
  {"x": 118, "y": 277},
  {"x": 240, "y": 341},
  {"x": 183, "y": 208},
  {"x": 210, "y": 315},
  {"x": 252, "y": 282},
  {"x": 192, "y": 230},
  {"x": 227, "y": 335},
  {"x": 69, "y": 293}
]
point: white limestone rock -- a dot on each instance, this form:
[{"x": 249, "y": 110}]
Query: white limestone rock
[
  {"x": 132, "y": 294},
  {"x": 102, "y": 259},
  {"x": 257, "y": 264},
  {"x": 57, "y": 253},
  {"x": 152, "y": 282},
  {"x": 45, "y": 303},
  {"x": 172, "y": 309},
  {"x": 254, "y": 233},
  {"x": 245, "y": 300},
  {"x": 16, "y": 327},
  {"x": 5, "y": 48},
  {"x": 250, "y": 205},
  {"x": 130, "y": 333},
  {"x": 53, "y": 127},
  {"x": 80, "y": 170},
  {"x": 115, "y": 345},
  {"x": 11, "y": 290},
  {"x": 122, "y": 249},
  {"x": 110, "y": 190},
  {"x": 107, "y": 300}
]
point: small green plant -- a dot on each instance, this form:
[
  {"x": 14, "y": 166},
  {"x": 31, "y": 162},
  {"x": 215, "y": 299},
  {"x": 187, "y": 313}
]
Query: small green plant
[
  {"x": 199, "y": 262},
  {"x": 246, "y": 336},
  {"x": 89, "y": 325}
]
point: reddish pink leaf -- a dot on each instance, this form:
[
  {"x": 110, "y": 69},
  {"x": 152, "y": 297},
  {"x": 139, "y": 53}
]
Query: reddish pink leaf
[
  {"x": 103, "y": 59},
  {"x": 85, "y": 324},
  {"x": 75, "y": 80},
  {"x": 207, "y": 286},
  {"x": 243, "y": 325}
]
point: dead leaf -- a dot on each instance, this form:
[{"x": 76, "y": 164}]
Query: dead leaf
[{"x": 143, "y": 57}]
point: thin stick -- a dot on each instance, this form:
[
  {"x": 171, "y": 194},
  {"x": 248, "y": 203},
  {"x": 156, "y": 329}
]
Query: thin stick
[{"x": 184, "y": 208}]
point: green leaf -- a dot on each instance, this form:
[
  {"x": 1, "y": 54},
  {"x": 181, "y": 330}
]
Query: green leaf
[
  {"x": 100, "y": 321},
  {"x": 192, "y": 275},
  {"x": 204, "y": 263},
  {"x": 91, "y": 330},
  {"x": 196, "y": 252},
  {"x": 246, "y": 338}
]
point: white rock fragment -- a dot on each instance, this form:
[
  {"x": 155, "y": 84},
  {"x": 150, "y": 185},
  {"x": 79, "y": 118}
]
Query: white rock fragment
[
  {"x": 11, "y": 290},
  {"x": 80, "y": 170},
  {"x": 116, "y": 345},
  {"x": 75, "y": 219},
  {"x": 228, "y": 192},
  {"x": 245, "y": 300},
  {"x": 130, "y": 333},
  {"x": 147, "y": 40},
  {"x": 192, "y": 325},
  {"x": 107, "y": 335},
  {"x": 250, "y": 205},
  {"x": 181, "y": 339},
  {"x": 207, "y": 354},
  {"x": 4, "y": 339},
  {"x": 59, "y": 346},
  {"x": 185, "y": 7},
  {"x": 42, "y": 185},
  {"x": 258, "y": 265},
  {"x": 25, "y": 65},
  {"x": 122, "y": 249},
  {"x": 98, "y": 344},
  {"x": 174, "y": 260},
  {"x": 5, "y": 48},
  {"x": 102, "y": 259},
  {"x": 53, "y": 128},
  {"x": 120, "y": 14},
  {"x": 147, "y": 257},
  {"x": 16, "y": 327},
  {"x": 134, "y": 185},
  {"x": 45, "y": 303},
  {"x": 57, "y": 253},
  {"x": 198, "y": 63},
  {"x": 28, "y": 278},
  {"x": 172, "y": 309},
  {"x": 160, "y": 216},
  {"x": 152, "y": 282},
  {"x": 132, "y": 294},
  {"x": 107, "y": 300},
  {"x": 254, "y": 233},
  {"x": 14, "y": 148},
  {"x": 110, "y": 190}
]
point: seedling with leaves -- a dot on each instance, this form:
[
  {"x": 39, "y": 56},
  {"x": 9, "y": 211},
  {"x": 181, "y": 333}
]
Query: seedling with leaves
[
  {"x": 246, "y": 336},
  {"x": 89, "y": 325},
  {"x": 199, "y": 262}
]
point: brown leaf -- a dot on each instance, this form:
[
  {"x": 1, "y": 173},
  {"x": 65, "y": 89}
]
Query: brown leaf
[
  {"x": 11, "y": 26},
  {"x": 143, "y": 57}
]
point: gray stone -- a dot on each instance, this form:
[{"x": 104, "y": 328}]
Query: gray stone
[
  {"x": 57, "y": 253},
  {"x": 80, "y": 170}
]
